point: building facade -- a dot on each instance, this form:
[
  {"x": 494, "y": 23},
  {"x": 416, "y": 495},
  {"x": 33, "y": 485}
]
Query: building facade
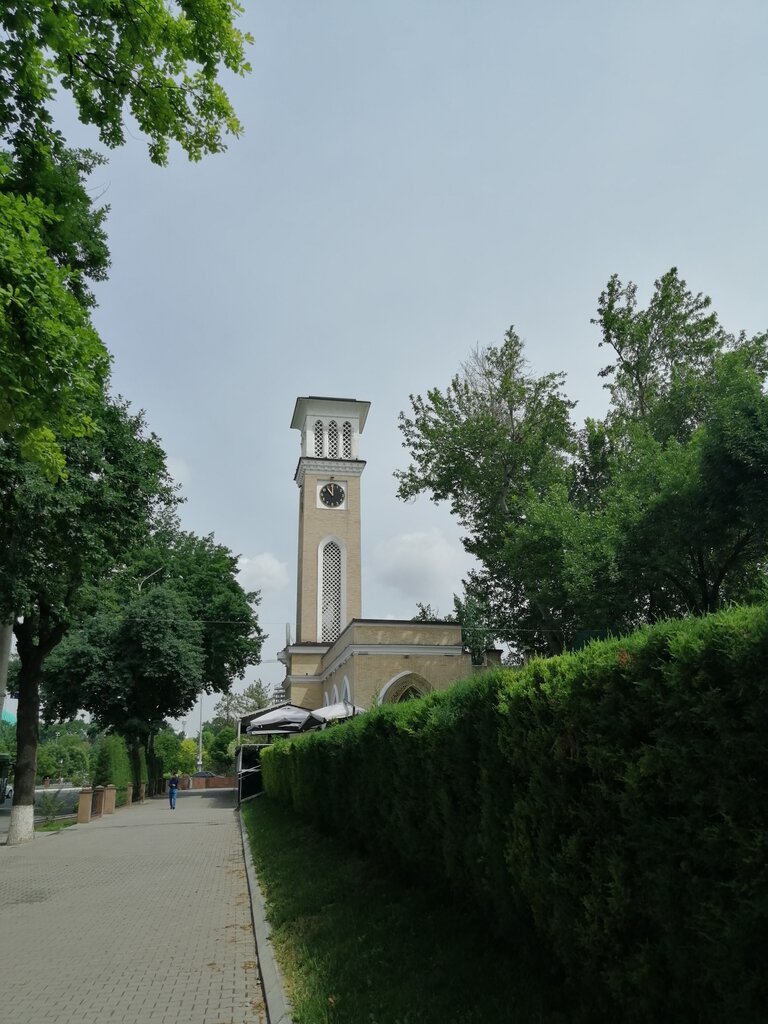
[{"x": 339, "y": 655}]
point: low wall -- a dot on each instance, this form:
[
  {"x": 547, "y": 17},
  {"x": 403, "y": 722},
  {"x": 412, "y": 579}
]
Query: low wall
[{"x": 217, "y": 782}]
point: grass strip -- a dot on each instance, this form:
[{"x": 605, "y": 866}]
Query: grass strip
[
  {"x": 55, "y": 826},
  {"x": 359, "y": 945}
]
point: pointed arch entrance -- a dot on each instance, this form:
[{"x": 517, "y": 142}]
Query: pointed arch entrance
[{"x": 404, "y": 686}]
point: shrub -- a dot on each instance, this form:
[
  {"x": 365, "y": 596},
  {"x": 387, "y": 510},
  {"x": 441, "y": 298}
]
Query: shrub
[
  {"x": 112, "y": 766},
  {"x": 617, "y": 797},
  {"x": 50, "y": 805}
]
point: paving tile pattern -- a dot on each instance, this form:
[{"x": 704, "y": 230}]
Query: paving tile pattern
[{"x": 142, "y": 917}]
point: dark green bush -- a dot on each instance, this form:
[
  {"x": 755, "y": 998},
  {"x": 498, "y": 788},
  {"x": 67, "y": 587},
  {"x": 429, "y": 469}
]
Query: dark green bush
[
  {"x": 113, "y": 766},
  {"x": 617, "y": 797}
]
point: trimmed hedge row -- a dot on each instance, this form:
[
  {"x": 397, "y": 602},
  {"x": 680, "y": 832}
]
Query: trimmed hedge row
[
  {"x": 113, "y": 766},
  {"x": 617, "y": 797}
]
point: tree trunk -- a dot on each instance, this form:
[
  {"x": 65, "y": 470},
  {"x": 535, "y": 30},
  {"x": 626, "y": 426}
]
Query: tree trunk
[
  {"x": 134, "y": 748},
  {"x": 154, "y": 767},
  {"x": 21, "y": 828},
  {"x": 6, "y": 639}
]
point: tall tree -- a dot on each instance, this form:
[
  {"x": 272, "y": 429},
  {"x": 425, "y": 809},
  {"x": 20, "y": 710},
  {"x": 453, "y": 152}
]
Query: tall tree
[
  {"x": 233, "y": 706},
  {"x": 167, "y": 747},
  {"x": 174, "y": 621},
  {"x": 60, "y": 539},
  {"x": 687, "y": 406},
  {"x": 130, "y": 667},
  {"x": 161, "y": 63},
  {"x": 659, "y": 509},
  {"x": 496, "y": 440}
]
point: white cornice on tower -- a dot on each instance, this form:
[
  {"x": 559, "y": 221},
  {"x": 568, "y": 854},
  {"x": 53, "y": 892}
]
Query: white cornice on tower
[
  {"x": 328, "y": 467},
  {"x": 314, "y": 405}
]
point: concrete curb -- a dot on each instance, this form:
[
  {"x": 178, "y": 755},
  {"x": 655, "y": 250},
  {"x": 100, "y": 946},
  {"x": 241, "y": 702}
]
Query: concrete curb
[{"x": 275, "y": 999}]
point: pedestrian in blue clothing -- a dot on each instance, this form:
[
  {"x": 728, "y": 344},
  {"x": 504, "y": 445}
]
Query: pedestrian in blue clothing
[{"x": 173, "y": 785}]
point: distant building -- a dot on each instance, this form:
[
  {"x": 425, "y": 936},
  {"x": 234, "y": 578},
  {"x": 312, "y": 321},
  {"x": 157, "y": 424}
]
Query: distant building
[{"x": 337, "y": 654}]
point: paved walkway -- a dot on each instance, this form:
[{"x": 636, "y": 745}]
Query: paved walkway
[{"x": 142, "y": 917}]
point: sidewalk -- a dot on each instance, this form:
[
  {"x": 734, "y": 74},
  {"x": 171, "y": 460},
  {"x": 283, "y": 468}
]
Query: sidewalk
[{"x": 141, "y": 917}]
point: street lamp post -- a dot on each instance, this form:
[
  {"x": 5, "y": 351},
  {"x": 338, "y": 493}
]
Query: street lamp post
[
  {"x": 153, "y": 573},
  {"x": 200, "y": 736}
]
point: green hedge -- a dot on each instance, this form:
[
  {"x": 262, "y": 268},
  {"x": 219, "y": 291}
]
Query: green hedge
[
  {"x": 113, "y": 766},
  {"x": 617, "y": 797}
]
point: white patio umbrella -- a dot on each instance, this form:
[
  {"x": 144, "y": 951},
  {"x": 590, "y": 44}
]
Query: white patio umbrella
[
  {"x": 286, "y": 718},
  {"x": 337, "y": 712}
]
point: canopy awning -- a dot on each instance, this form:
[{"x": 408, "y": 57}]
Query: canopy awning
[
  {"x": 285, "y": 719},
  {"x": 337, "y": 712}
]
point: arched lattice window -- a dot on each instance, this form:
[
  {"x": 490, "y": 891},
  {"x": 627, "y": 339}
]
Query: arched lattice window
[
  {"x": 410, "y": 693},
  {"x": 319, "y": 439},
  {"x": 346, "y": 434},
  {"x": 331, "y": 593},
  {"x": 333, "y": 440}
]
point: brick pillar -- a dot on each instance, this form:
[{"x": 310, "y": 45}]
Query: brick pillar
[
  {"x": 84, "y": 806},
  {"x": 129, "y": 795},
  {"x": 98, "y": 801},
  {"x": 110, "y": 796}
]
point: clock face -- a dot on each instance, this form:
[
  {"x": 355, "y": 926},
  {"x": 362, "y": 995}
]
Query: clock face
[{"x": 332, "y": 495}]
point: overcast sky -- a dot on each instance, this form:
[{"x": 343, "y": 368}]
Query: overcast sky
[{"x": 414, "y": 177}]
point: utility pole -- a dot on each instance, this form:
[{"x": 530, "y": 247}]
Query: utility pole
[{"x": 200, "y": 736}]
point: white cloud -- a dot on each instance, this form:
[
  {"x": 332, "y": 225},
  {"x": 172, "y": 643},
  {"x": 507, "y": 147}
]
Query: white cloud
[
  {"x": 263, "y": 572},
  {"x": 422, "y": 567}
]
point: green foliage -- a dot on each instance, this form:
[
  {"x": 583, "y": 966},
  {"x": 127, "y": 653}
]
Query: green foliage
[
  {"x": 426, "y": 613},
  {"x": 233, "y": 706},
  {"x": 658, "y": 510},
  {"x": 52, "y": 362},
  {"x": 66, "y": 535},
  {"x": 73, "y": 233},
  {"x": 162, "y": 61},
  {"x": 217, "y": 745},
  {"x": 149, "y": 650},
  {"x": 67, "y": 757},
  {"x": 167, "y": 750},
  {"x": 57, "y": 826},
  {"x": 154, "y": 662},
  {"x": 615, "y": 797},
  {"x": 187, "y": 759},
  {"x": 8, "y": 739},
  {"x": 62, "y": 539},
  {"x": 112, "y": 766},
  {"x": 52, "y": 803},
  {"x": 47, "y": 762},
  {"x": 204, "y": 573}
]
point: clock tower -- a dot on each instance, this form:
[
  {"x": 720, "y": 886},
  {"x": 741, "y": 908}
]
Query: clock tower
[{"x": 328, "y": 478}]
